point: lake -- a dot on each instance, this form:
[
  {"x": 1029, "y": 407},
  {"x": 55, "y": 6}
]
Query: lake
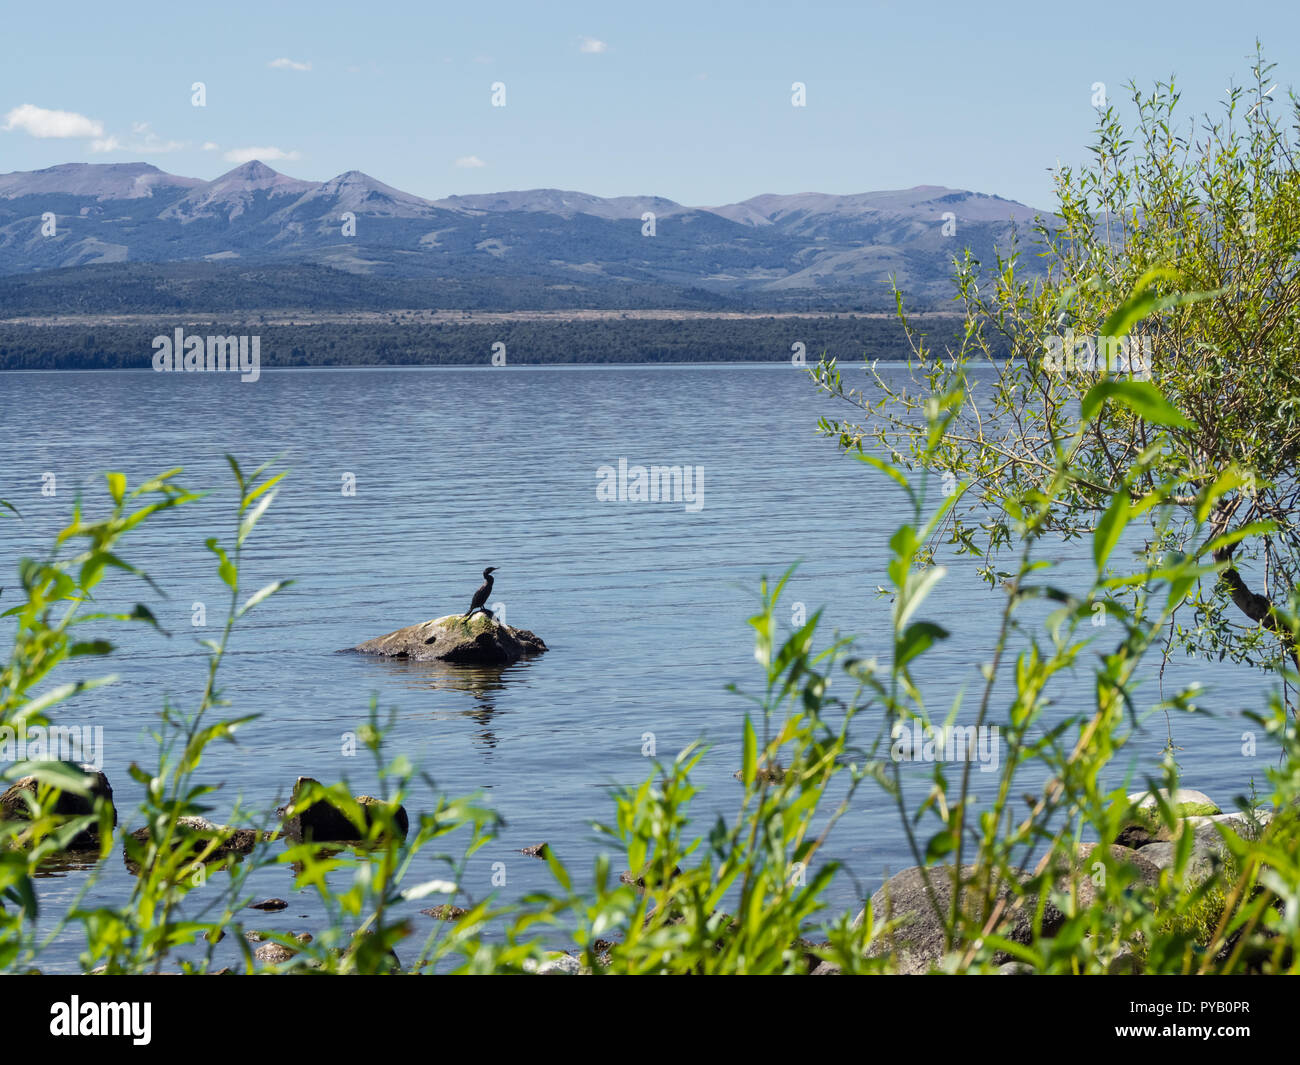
[{"x": 643, "y": 605}]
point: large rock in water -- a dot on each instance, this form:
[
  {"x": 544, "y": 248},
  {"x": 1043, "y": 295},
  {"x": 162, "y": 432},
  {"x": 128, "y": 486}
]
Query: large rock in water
[
  {"x": 324, "y": 822},
  {"x": 199, "y": 838},
  {"x": 68, "y": 804},
  {"x": 477, "y": 641}
]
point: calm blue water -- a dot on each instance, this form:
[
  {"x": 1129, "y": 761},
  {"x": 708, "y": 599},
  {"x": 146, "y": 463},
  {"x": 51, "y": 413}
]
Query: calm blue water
[{"x": 643, "y": 605}]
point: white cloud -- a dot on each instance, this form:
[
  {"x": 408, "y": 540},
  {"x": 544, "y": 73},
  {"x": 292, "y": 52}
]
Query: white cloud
[
  {"x": 470, "y": 161},
  {"x": 288, "y": 64},
  {"x": 591, "y": 45},
  {"x": 210, "y": 146},
  {"x": 40, "y": 122},
  {"x": 247, "y": 155},
  {"x": 145, "y": 142}
]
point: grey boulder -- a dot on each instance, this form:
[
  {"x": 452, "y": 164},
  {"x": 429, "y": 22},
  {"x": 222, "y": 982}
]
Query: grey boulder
[
  {"x": 916, "y": 941},
  {"x": 15, "y": 803},
  {"x": 477, "y": 641}
]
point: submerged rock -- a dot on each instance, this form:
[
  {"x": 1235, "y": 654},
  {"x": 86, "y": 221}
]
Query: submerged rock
[
  {"x": 323, "y": 822},
  {"x": 446, "y": 912},
  {"x": 477, "y": 641},
  {"x": 197, "y": 836},
  {"x": 274, "y": 953},
  {"x": 628, "y": 877},
  {"x": 67, "y": 805},
  {"x": 764, "y": 774}
]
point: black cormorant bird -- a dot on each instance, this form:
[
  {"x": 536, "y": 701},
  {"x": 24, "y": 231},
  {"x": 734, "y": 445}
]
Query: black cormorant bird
[{"x": 481, "y": 596}]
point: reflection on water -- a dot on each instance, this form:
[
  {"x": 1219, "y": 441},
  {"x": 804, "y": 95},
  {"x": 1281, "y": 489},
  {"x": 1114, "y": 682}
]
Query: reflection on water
[
  {"x": 481, "y": 685},
  {"x": 60, "y": 865}
]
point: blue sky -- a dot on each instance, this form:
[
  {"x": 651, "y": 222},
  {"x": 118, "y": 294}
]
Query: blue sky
[{"x": 686, "y": 100}]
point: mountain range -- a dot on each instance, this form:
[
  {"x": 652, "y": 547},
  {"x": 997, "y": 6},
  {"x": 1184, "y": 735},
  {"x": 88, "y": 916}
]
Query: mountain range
[{"x": 768, "y": 251}]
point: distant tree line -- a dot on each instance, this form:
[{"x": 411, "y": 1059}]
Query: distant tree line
[{"x": 399, "y": 342}]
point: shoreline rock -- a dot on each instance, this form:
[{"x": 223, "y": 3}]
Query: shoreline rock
[
  {"x": 197, "y": 833},
  {"x": 68, "y": 804},
  {"x": 323, "y": 822},
  {"x": 477, "y": 641},
  {"x": 916, "y": 941}
]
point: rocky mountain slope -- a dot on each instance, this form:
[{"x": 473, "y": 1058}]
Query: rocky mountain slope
[{"x": 772, "y": 250}]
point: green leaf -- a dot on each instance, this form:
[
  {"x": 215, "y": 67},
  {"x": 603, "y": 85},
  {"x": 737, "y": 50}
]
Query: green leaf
[
  {"x": 1138, "y": 304},
  {"x": 92, "y": 570},
  {"x": 940, "y": 843},
  {"x": 942, "y": 512},
  {"x": 20, "y": 893},
  {"x": 1110, "y": 528},
  {"x": 1142, "y": 397},
  {"x": 886, "y": 468},
  {"x": 116, "y": 485},
  {"x": 250, "y": 519},
  {"x": 143, "y": 613},
  {"x": 239, "y": 474},
  {"x": 64, "y": 691},
  {"x": 264, "y": 486},
  {"x": 155, "y": 484},
  {"x": 1233, "y": 536},
  {"x": 61, "y": 775},
  {"x": 916, "y": 589},
  {"x": 1224, "y": 483},
  {"x": 560, "y": 873},
  {"x": 917, "y": 639},
  {"x": 749, "y": 763},
  {"x": 429, "y": 887},
  {"x": 226, "y": 569},
  {"x": 260, "y": 594},
  {"x": 1142, "y": 302},
  {"x": 90, "y": 647}
]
